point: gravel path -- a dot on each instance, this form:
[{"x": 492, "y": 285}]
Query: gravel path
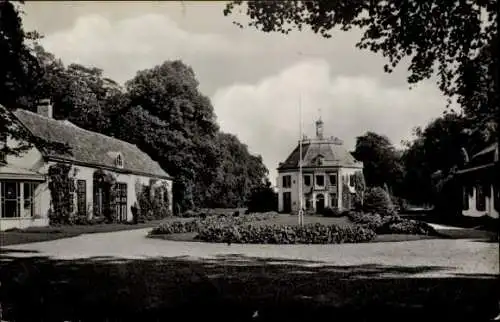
[{"x": 453, "y": 256}]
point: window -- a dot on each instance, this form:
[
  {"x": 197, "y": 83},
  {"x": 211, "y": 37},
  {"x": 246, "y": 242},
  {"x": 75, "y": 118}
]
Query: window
[
  {"x": 10, "y": 199},
  {"x": 465, "y": 198},
  {"x": 28, "y": 204},
  {"x": 351, "y": 180},
  {"x": 81, "y": 196},
  {"x": 307, "y": 180},
  {"x": 320, "y": 180},
  {"x": 333, "y": 179},
  {"x": 287, "y": 181},
  {"x": 333, "y": 200},
  {"x": 119, "y": 161},
  {"x": 480, "y": 198}
]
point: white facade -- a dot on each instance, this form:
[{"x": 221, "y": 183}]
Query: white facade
[
  {"x": 480, "y": 191},
  {"x": 317, "y": 193},
  {"x": 326, "y": 167},
  {"x": 25, "y": 198},
  {"x": 480, "y": 204}
]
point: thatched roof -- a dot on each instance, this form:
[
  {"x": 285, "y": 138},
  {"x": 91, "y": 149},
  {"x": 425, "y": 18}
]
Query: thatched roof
[{"x": 88, "y": 148}]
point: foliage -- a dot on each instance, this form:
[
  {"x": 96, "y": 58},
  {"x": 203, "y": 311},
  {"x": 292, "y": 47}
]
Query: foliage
[
  {"x": 457, "y": 40},
  {"x": 346, "y": 195},
  {"x": 62, "y": 188},
  {"x": 439, "y": 148},
  {"x": 391, "y": 224},
  {"x": 330, "y": 212},
  {"x": 162, "y": 111},
  {"x": 380, "y": 160},
  {"x": 360, "y": 187},
  {"x": 174, "y": 123},
  {"x": 283, "y": 234},
  {"x": 19, "y": 72},
  {"x": 188, "y": 226},
  {"x": 377, "y": 200},
  {"x": 108, "y": 181},
  {"x": 153, "y": 201},
  {"x": 263, "y": 199},
  {"x": 223, "y": 228}
]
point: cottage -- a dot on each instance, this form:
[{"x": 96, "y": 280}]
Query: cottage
[
  {"x": 109, "y": 175},
  {"x": 480, "y": 188},
  {"x": 328, "y": 175}
]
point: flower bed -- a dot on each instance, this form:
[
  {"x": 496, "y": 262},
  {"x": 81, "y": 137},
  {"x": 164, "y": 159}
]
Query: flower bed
[
  {"x": 391, "y": 224},
  {"x": 222, "y": 228},
  {"x": 190, "y": 226},
  {"x": 283, "y": 234}
]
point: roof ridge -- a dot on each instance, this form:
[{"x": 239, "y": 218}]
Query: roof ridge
[{"x": 66, "y": 121}]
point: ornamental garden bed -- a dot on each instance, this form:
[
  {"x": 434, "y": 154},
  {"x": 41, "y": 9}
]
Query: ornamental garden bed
[{"x": 283, "y": 229}]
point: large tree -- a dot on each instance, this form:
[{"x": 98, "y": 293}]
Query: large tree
[
  {"x": 437, "y": 148},
  {"x": 380, "y": 160},
  {"x": 19, "y": 70},
  {"x": 455, "y": 40}
]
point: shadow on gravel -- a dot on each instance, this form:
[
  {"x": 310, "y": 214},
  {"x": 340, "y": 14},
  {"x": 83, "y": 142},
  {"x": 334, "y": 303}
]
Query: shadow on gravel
[{"x": 233, "y": 288}]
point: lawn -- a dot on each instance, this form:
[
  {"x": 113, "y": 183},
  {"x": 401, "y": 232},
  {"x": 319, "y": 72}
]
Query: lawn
[
  {"x": 234, "y": 288},
  {"x": 39, "y": 234}
]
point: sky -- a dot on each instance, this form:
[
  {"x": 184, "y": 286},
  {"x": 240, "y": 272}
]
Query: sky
[{"x": 256, "y": 81}]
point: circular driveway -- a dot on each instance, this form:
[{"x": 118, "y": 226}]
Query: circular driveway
[{"x": 448, "y": 256}]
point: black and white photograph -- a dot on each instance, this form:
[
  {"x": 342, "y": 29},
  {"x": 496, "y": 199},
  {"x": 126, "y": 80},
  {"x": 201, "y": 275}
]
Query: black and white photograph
[{"x": 318, "y": 160}]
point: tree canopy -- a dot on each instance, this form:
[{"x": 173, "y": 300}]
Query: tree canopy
[
  {"x": 161, "y": 110},
  {"x": 380, "y": 160},
  {"x": 455, "y": 40}
]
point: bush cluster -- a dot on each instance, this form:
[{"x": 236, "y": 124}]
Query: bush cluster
[
  {"x": 283, "y": 234},
  {"x": 333, "y": 212},
  {"x": 190, "y": 226},
  {"x": 237, "y": 229},
  {"x": 377, "y": 200},
  {"x": 391, "y": 224}
]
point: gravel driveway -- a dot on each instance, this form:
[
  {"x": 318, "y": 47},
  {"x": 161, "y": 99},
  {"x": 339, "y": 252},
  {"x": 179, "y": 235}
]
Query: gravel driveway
[{"x": 452, "y": 256}]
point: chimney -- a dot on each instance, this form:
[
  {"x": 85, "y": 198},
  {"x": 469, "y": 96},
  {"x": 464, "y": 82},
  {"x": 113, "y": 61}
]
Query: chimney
[{"x": 44, "y": 107}]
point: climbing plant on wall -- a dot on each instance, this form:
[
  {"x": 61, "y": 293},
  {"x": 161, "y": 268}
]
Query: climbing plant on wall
[
  {"x": 107, "y": 181},
  {"x": 360, "y": 186},
  {"x": 153, "y": 200},
  {"x": 62, "y": 189}
]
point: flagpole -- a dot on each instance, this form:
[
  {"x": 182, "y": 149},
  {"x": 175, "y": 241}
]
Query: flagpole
[{"x": 300, "y": 214}]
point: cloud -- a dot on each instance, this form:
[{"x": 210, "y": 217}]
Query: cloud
[
  {"x": 125, "y": 46},
  {"x": 265, "y": 115}
]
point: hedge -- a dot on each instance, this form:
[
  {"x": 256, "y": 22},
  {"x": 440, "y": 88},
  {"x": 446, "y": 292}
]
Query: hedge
[
  {"x": 190, "y": 226},
  {"x": 284, "y": 234}
]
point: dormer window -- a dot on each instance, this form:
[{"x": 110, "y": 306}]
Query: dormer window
[
  {"x": 319, "y": 160},
  {"x": 119, "y": 161}
]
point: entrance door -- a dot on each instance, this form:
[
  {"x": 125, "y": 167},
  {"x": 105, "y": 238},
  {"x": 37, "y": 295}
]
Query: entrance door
[
  {"x": 320, "y": 203},
  {"x": 101, "y": 196},
  {"x": 287, "y": 202},
  {"x": 121, "y": 202}
]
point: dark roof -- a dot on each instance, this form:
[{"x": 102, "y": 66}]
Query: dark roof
[
  {"x": 490, "y": 148},
  {"x": 330, "y": 150},
  {"x": 87, "y": 147},
  {"x": 485, "y": 158}
]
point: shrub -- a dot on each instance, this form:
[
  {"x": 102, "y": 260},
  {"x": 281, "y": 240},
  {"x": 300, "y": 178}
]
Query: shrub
[
  {"x": 330, "y": 212},
  {"x": 377, "y": 200},
  {"x": 392, "y": 224},
  {"x": 220, "y": 220},
  {"x": 283, "y": 234},
  {"x": 263, "y": 199}
]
